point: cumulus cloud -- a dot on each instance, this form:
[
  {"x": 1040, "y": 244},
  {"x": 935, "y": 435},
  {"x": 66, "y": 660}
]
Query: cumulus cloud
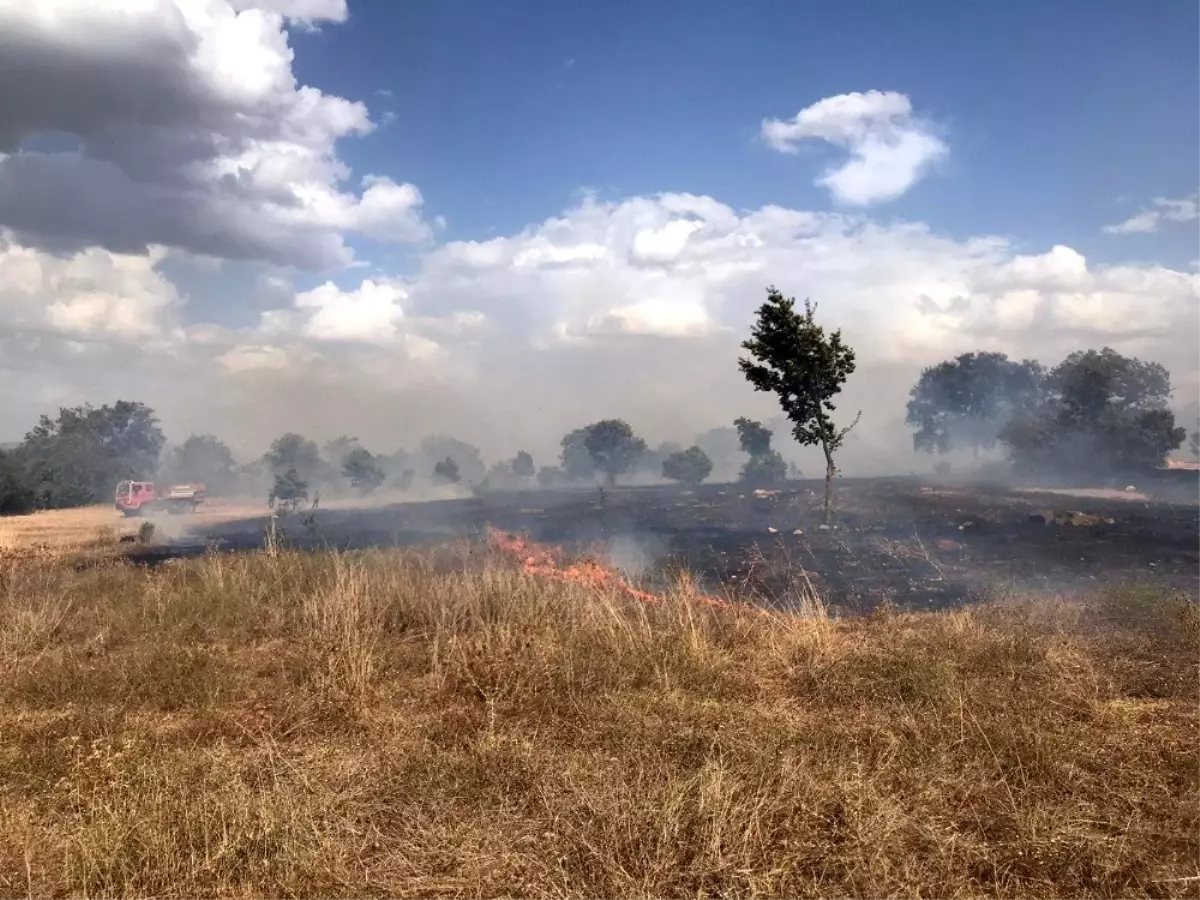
[
  {"x": 906, "y": 293},
  {"x": 632, "y": 308},
  {"x": 149, "y": 143},
  {"x": 181, "y": 123},
  {"x": 889, "y": 148},
  {"x": 1164, "y": 210},
  {"x": 91, "y": 295},
  {"x": 304, "y": 12}
]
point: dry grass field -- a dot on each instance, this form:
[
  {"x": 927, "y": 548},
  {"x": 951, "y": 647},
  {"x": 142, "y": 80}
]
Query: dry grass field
[
  {"x": 62, "y": 530},
  {"x": 449, "y": 723},
  {"x": 89, "y": 526}
]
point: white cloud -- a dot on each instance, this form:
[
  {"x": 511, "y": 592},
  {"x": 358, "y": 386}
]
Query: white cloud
[
  {"x": 889, "y": 148},
  {"x": 189, "y": 130},
  {"x": 631, "y": 308},
  {"x": 92, "y": 295},
  {"x": 304, "y": 12},
  {"x": 370, "y": 313},
  {"x": 1148, "y": 220},
  {"x": 682, "y": 265}
]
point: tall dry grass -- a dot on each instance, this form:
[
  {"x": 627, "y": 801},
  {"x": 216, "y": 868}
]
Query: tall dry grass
[
  {"x": 51, "y": 532},
  {"x": 438, "y": 724}
]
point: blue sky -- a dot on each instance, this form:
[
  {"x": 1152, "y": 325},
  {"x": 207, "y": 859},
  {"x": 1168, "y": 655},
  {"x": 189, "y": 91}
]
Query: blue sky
[{"x": 1062, "y": 117}]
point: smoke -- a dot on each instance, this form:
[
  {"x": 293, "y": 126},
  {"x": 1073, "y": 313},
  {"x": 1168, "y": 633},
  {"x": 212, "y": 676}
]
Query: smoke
[
  {"x": 669, "y": 391},
  {"x": 171, "y": 528},
  {"x": 633, "y": 556},
  {"x": 680, "y": 391}
]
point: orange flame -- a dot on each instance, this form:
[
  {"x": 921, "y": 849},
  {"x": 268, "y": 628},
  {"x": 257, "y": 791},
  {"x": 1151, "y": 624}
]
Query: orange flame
[{"x": 543, "y": 561}]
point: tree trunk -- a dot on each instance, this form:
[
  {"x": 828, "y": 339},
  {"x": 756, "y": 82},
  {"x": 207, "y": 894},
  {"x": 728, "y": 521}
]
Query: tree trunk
[{"x": 829, "y": 473}]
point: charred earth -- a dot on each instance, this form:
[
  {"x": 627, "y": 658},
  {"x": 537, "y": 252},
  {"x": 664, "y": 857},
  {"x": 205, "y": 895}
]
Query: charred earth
[{"x": 918, "y": 545}]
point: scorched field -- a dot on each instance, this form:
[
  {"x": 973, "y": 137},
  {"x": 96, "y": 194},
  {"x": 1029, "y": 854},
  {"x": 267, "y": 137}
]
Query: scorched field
[{"x": 914, "y": 544}]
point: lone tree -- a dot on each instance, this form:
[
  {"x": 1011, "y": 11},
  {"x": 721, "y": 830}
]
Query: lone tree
[
  {"x": 362, "y": 470},
  {"x": 522, "y": 465},
  {"x": 446, "y": 471},
  {"x": 468, "y": 461},
  {"x": 765, "y": 466},
  {"x": 793, "y": 358},
  {"x": 754, "y": 437},
  {"x": 613, "y": 447},
  {"x": 288, "y": 490},
  {"x": 690, "y": 466},
  {"x": 292, "y": 451},
  {"x": 966, "y": 401}
]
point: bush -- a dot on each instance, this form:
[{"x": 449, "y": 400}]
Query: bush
[
  {"x": 690, "y": 466},
  {"x": 768, "y": 468},
  {"x": 16, "y": 487},
  {"x": 446, "y": 471}
]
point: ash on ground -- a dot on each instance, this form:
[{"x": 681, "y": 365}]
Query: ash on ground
[{"x": 901, "y": 541}]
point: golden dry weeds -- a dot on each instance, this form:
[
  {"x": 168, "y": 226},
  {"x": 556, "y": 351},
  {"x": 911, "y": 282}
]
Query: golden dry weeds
[{"x": 443, "y": 724}]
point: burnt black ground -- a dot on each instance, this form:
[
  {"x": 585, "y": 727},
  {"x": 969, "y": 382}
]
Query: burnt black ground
[{"x": 918, "y": 545}]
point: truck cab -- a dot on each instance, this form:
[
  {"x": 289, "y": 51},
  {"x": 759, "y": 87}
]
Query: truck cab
[
  {"x": 133, "y": 495},
  {"x": 136, "y": 498}
]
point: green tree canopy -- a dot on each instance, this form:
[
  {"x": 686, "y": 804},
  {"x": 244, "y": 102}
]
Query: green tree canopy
[
  {"x": 203, "y": 458},
  {"x": 765, "y": 466},
  {"x": 791, "y": 356},
  {"x": 522, "y": 465},
  {"x": 613, "y": 447},
  {"x": 293, "y": 451},
  {"x": 754, "y": 437},
  {"x": 288, "y": 489},
  {"x": 1100, "y": 413},
  {"x": 690, "y": 466},
  {"x": 362, "y": 470},
  {"x": 765, "y": 469},
  {"x": 467, "y": 459},
  {"x": 78, "y": 457},
  {"x": 965, "y": 402},
  {"x": 16, "y": 486},
  {"x": 446, "y": 471}
]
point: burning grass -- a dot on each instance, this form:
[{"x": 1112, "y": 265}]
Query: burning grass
[
  {"x": 541, "y": 561},
  {"x": 455, "y": 722}
]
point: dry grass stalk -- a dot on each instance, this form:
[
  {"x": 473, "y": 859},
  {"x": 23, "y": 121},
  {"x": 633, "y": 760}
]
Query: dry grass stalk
[{"x": 439, "y": 723}]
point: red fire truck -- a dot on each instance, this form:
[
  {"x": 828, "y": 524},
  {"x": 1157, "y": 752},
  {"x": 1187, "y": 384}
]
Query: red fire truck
[{"x": 140, "y": 498}]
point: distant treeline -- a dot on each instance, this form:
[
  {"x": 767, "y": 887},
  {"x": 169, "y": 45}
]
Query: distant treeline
[
  {"x": 78, "y": 457},
  {"x": 1096, "y": 414}
]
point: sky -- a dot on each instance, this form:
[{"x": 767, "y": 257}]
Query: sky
[{"x": 505, "y": 220}]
